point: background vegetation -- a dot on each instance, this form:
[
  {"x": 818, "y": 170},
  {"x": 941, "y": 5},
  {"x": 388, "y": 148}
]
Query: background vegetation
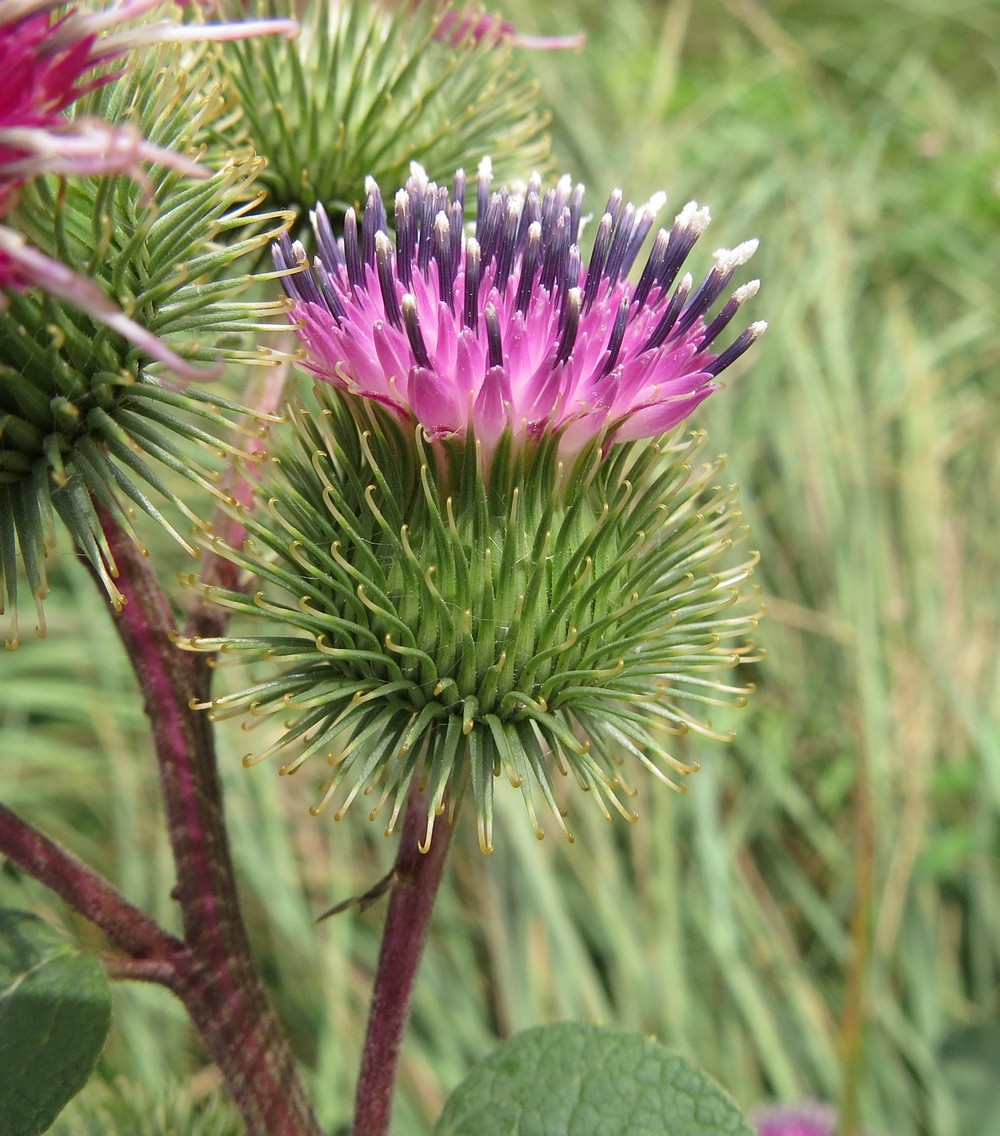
[{"x": 820, "y": 915}]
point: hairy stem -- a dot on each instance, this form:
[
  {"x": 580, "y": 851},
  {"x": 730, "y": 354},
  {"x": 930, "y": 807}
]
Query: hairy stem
[
  {"x": 416, "y": 879},
  {"x": 221, "y": 986}
]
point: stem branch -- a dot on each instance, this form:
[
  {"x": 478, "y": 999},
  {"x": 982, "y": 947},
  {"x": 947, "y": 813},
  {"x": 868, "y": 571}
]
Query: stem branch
[{"x": 83, "y": 889}]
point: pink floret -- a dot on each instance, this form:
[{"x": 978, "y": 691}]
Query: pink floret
[{"x": 506, "y": 328}]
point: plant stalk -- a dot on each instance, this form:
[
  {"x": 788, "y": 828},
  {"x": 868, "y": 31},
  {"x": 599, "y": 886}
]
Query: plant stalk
[
  {"x": 417, "y": 876},
  {"x": 219, "y": 982}
]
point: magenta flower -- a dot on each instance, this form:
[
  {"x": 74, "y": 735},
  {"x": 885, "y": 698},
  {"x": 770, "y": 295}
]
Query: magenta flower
[
  {"x": 48, "y": 63},
  {"x": 507, "y": 328}
]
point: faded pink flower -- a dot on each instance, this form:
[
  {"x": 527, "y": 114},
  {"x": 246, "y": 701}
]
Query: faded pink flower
[
  {"x": 809, "y": 1119},
  {"x": 455, "y": 27},
  {"x": 507, "y": 328},
  {"x": 48, "y": 63}
]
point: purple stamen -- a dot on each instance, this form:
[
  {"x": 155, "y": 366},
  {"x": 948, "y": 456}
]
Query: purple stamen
[
  {"x": 712, "y": 287},
  {"x": 442, "y": 254},
  {"x": 406, "y": 238},
  {"x": 736, "y": 348},
  {"x": 428, "y": 212},
  {"x": 507, "y": 246},
  {"x": 569, "y": 325},
  {"x": 722, "y": 320},
  {"x": 458, "y": 190},
  {"x": 652, "y": 269},
  {"x": 386, "y": 279},
  {"x": 641, "y": 230},
  {"x": 617, "y": 335},
  {"x": 473, "y": 268},
  {"x": 586, "y": 351},
  {"x": 326, "y": 242},
  {"x": 483, "y": 179},
  {"x": 456, "y": 226},
  {"x": 619, "y": 245},
  {"x": 688, "y": 227},
  {"x": 576, "y": 211},
  {"x": 556, "y": 249},
  {"x": 599, "y": 257},
  {"x": 412, "y": 324},
  {"x": 493, "y": 340},
  {"x": 373, "y": 220},
  {"x": 487, "y": 233},
  {"x": 669, "y": 317},
  {"x": 330, "y": 295},
  {"x": 352, "y": 254},
  {"x": 529, "y": 266}
]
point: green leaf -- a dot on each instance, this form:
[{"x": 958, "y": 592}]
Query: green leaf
[
  {"x": 578, "y": 1079},
  {"x": 55, "y": 1006}
]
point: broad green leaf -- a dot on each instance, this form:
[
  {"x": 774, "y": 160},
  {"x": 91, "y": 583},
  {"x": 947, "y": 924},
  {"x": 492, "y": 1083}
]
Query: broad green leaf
[
  {"x": 577, "y": 1079},
  {"x": 55, "y": 1006}
]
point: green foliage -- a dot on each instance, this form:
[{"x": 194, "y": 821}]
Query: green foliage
[
  {"x": 127, "y": 1109},
  {"x": 865, "y": 156},
  {"x": 367, "y": 89},
  {"x": 588, "y": 1080},
  {"x": 859, "y": 143},
  {"x": 971, "y": 1061},
  {"x": 55, "y": 1006},
  {"x": 83, "y": 418}
]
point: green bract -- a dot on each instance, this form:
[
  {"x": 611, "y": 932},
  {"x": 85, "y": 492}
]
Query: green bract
[
  {"x": 83, "y": 418},
  {"x": 368, "y": 88},
  {"x": 453, "y": 623}
]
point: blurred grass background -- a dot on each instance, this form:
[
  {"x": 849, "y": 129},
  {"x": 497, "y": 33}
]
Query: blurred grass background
[{"x": 820, "y": 915}]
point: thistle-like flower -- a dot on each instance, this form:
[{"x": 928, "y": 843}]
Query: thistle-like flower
[
  {"x": 505, "y": 329},
  {"x": 477, "y": 562}
]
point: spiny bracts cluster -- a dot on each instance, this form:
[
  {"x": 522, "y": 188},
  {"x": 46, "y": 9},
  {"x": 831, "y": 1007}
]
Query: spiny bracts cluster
[{"x": 434, "y": 613}]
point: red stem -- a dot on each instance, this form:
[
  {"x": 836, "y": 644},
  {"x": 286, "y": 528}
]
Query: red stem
[
  {"x": 141, "y": 970},
  {"x": 212, "y": 970},
  {"x": 222, "y": 987},
  {"x": 417, "y": 876}
]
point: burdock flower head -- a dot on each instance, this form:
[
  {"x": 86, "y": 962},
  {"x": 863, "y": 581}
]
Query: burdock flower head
[
  {"x": 505, "y": 329},
  {"x": 481, "y": 561}
]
